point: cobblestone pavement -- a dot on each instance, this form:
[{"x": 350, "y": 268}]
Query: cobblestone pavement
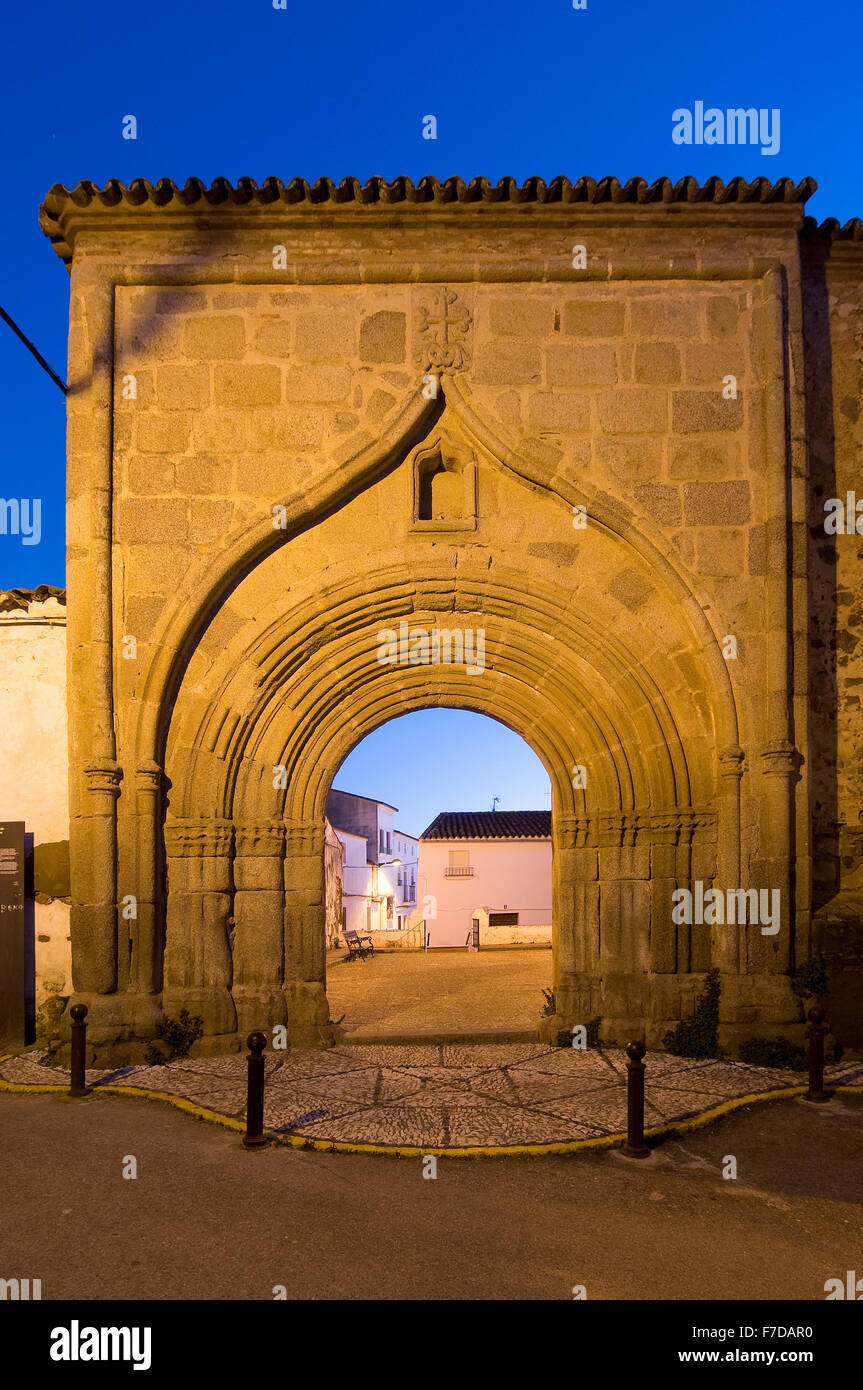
[
  {"x": 444, "y": 1096},
  {"x": 411, "y": 993}
]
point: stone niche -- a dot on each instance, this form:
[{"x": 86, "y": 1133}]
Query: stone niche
[{"x": 444, "y": 487}]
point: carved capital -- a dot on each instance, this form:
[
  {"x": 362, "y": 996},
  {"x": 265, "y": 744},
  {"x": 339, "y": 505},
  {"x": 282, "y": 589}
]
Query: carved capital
[
  {"x": 610, "y": 830},
  {"x": 104, "y": 775},
  {"x": 780, "y": 759},
  {"x": 666, "y": 827},
  {"x": 571, "y": 832},
  {"x": 303, "y": 837},
  {"x": 148, "y": 777},
  {"x": 194, "y": 839},
  {"x": 731, "y": 761},
  {"x": 264, "y": 838}
]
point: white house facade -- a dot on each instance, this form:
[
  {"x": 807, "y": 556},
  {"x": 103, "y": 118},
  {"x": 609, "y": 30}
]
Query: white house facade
[
  {"x": 379, "y": 866},
  {"x": 485, "y": 879}
]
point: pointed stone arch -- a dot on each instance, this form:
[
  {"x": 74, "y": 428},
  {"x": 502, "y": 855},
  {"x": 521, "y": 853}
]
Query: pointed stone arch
[{"x": 576, "y": 685}]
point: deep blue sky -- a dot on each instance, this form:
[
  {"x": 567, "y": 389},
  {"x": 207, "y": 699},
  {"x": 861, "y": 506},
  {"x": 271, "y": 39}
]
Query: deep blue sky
[
  {"x": 240, "y": 88},
  {"x": 341, "y": 88},
  {"x": 445, "y": 760}
]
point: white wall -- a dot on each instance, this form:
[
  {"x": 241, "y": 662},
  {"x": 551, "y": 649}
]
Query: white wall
[
  {"x": 508, "y": 876},
  {"x": 356, "y": 880},
  {"x": 364, "y": 884},
  {"x": 33, "y": 769},
  {"x": 33, "y": 752}
]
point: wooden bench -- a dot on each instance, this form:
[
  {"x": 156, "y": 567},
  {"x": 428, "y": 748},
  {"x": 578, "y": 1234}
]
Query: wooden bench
[{"x": 358, "y": 945}]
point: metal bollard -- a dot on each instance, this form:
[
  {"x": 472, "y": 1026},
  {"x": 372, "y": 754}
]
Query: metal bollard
[
  {"x": 254, "y": 1138},
  {"x": 635, "y": 1146},
  {"x": 815, "y": 1033},
  {"x": 78, "y": 1052}
]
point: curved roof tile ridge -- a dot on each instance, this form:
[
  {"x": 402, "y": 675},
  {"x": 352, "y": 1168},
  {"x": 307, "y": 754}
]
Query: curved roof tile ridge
[
  {"x": 534, "y": 189},
  {"x": 350, "y": 191},
  {"x": 833, "y": 230}
]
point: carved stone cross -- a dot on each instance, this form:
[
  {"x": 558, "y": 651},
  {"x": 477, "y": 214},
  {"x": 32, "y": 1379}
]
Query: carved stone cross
[{"x": 446, "y": 323}]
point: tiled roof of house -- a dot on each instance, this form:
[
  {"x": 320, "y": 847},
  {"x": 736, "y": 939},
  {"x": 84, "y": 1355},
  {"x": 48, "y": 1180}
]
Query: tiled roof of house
[
  {"x": 489, "y": 825},
  {"x": 11, "y": 600}
]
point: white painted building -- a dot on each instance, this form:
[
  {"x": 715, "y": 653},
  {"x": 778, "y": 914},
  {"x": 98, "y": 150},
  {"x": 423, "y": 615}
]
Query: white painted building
[
  {"x": 379, "y": 864},
  {"x": 486, "y": 874},
  {"x": 34, "y": 789}
]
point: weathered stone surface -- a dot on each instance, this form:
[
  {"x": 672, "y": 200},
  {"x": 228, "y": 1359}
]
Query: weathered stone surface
[
  {"x": 382, "y": 337},
  {"x": 717, "y": 504},
  {"x": 693, "y": 411},
  {"x": 215, "y": 339},
  {"x": 593, "y": 318}
]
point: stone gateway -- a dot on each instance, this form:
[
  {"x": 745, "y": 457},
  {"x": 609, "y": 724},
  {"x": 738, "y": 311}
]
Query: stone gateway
[{"x": 302, "y": 415}]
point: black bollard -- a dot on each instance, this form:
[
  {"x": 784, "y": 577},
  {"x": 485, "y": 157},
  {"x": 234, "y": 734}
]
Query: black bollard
[
  {"x": 78, "y": 1052},
  {"x": 815, "y": 1033},
  {"x": 635, "y": 1146},
  {"x": 254, "y": 1137}
]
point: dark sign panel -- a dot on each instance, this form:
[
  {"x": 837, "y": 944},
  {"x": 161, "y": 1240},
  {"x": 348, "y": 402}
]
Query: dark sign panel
[{"x": 12, "y": 950}]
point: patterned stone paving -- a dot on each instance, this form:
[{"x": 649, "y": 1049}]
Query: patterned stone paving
[{"x": 438, "y": 1095}]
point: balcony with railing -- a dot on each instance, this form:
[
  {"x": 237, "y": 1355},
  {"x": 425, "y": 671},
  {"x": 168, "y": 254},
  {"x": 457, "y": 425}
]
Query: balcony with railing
[{"x": 463, "y": 872}]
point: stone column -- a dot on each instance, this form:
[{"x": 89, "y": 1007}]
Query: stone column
[
  {"x": 575, "y": 926},
  {"x": 703, "y": 936},
  {"x": 684, "y": 876},
  {"x": 770, "y": 956},
  {"x": 624, "y": 923},
  {"x": 305, "y": 927},
  {"x": 146, "y": 969},
  {"x": 726, "y": 946},
  {"x": 94, "y": 910},
  {"x": 779, "y": 768},
  {"x": 259, "y": 914},
  {"x": 94, "y": 775},
  {"x": 664, "y": 835},
  {"x": 197, "y": 947}
]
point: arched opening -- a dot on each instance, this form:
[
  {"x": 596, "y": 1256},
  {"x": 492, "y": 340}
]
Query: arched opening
[
  {"x": 304, "y": 659},
  {"x": 439, "y": 896},
  {"x": 440, "y": 489}
]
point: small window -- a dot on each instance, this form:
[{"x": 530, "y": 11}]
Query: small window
[
  {"x": 383, "y": 843},
  {"x": 389, "y": 851},
  {"x": 503, "y": 919}
]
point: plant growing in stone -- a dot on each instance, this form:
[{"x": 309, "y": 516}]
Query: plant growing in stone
[
  {"x": 811, "y": 977},
  {"x": 177, "y": 1035},
  {"x": 773, "y": 1052},
  {"x": 698, "y": 1036}
]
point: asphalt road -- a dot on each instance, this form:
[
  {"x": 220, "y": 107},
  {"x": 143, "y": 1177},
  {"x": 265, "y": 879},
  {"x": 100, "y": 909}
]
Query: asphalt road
[{"x": 204, "y": 1218}]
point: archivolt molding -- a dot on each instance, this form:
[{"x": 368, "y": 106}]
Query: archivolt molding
[
  {"x": 677, "y": 825},
  {"x": 575, "y": 694}
]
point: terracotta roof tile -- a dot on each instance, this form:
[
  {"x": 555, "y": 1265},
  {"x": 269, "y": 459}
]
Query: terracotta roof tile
[
  {"x": 13, "y": 599},
  {"x": 489, "y": 825},
  {"x": 195, "y": 194}
]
